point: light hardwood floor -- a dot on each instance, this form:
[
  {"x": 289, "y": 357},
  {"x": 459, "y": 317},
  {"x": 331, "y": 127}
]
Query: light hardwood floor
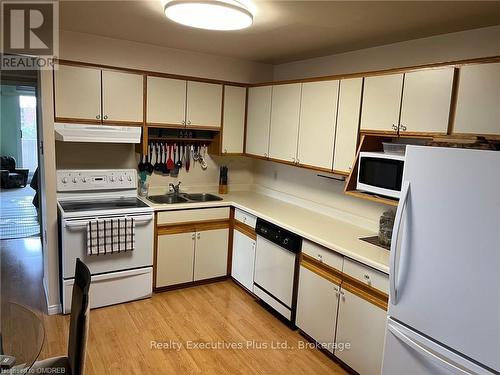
[{"x": 121, "y": 336}]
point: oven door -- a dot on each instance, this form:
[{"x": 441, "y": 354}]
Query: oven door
[
  {"x": 381, "y": 174},
  {"x": 74, "y": 245}
]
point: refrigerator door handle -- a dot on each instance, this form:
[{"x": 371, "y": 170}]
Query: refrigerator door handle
[
  {"x": 431, "y": 355},
  {"x": 394, "y": 241}
]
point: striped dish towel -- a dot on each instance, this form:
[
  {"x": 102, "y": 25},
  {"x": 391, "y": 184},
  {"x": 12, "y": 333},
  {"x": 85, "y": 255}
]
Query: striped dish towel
[{"x": 108, "y": 236}]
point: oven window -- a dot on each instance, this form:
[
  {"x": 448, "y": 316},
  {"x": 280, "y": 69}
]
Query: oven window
[{"x": 383, "y": 173}]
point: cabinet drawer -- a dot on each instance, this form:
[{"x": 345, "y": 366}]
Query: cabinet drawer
[
  {"x": 186, "y": 216},
  {"x": 367, "y": 275},
  {"x": 245, "y": 217},
  {"x": 323, "y": 254}
]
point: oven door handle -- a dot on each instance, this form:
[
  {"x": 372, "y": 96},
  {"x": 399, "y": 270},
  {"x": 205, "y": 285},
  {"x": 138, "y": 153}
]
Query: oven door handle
[{"x": 83, "y": 223}]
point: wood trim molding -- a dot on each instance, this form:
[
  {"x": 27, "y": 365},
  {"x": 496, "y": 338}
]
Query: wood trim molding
[
  {"x": 70, "y": 120},
  {"x": 189, "y": 284},
  {"x": 195, "y": 226},
  {"x": 122, "y": 123},
  {"x": 347, "y": 282},
  {"x": 373, "y": 198},
  {"x": 245, "y": 229}
]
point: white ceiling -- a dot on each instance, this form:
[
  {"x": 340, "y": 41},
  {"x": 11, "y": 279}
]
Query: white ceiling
[{"x": 284, "y": 31}]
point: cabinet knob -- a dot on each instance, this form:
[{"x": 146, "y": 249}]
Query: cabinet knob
[
  {"x": 183, "y": 122},
  {"x": 297, "y": 161},
  {"x": 265, "y": 154},
  {"x": 192, "y": 236},
  {"x": 198, "y": 235},
  {"x": 403, "y": 128},
  {"x": 189, "y": 122},
  {"x": 98, "y": 117},
  {"x": 320, "y": 258},
  {"x": 395, "y": 127},
  {"x": 105, "y": 117},
  {"x": 293, "y": 159}
]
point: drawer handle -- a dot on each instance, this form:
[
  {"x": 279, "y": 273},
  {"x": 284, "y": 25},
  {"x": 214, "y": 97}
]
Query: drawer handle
[{"x": 320, "y": 258}]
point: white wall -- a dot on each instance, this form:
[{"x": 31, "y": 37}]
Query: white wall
[
  {"x": 107, "y": 51},
  {"x": 484, "y": 42}
]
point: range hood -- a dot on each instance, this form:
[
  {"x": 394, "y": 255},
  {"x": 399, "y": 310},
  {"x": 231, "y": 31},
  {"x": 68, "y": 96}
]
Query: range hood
[{"x": 97, "y": 133}]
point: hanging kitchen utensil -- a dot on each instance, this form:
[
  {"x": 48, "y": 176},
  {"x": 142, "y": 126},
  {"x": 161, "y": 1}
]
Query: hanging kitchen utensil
[
  {"x": 179, "y": 163},
  {"x": 188, "y": 158},
  {"x": 183, "y": 160},
  {"x": 142, "y": 165},
  {"x": 174, "y": 172},
  {"x": 170, "y": 162},
  {"x": 158, "y": 158},
  {"x": 202, "y": 157},
  {"x": 149, "y": 167},
  {"x": 164, "y": 168}
]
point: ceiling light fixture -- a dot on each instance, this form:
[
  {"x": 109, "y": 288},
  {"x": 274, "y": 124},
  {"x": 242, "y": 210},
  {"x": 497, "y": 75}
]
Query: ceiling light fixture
[{"x": 209, "y": 14}]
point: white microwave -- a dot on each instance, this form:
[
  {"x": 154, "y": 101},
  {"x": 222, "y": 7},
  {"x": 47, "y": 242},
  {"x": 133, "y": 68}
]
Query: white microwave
[{"x": 380, "y": 173}]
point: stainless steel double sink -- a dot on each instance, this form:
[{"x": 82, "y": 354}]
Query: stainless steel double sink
[{"x": 172, "y": 198}]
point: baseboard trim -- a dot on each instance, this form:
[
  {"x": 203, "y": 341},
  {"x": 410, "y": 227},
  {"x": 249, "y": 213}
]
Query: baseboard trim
[{"x": 51, "y": 309}]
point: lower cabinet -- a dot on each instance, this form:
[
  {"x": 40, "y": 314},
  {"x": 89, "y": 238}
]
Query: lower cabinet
[
  {"x": 362, "y": 325},
  {"x": 174, "y": 259},
  {"x": 317, "y": 304},
  {"x": 243, "y": 260},
  {"x": 191, "y": 256},
  {"x": 210, "y": 254}
]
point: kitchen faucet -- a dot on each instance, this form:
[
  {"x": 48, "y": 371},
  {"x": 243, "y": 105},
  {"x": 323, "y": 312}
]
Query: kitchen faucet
[{"x": 175, "y": 188}]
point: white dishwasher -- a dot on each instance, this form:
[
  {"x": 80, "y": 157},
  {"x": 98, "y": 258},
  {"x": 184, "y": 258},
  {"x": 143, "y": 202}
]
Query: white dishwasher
[{"x": 276, "y": 268}]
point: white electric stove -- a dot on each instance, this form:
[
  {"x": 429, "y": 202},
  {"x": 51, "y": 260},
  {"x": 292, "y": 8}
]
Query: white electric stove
[{"x": 89, "y": 195}]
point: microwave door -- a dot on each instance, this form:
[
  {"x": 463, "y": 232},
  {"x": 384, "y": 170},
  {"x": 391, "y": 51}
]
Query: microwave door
[{"x": 381, "y": 176}]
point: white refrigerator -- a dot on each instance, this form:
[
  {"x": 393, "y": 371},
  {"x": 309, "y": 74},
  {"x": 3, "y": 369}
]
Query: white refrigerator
[{"x": 444, "y": 303}]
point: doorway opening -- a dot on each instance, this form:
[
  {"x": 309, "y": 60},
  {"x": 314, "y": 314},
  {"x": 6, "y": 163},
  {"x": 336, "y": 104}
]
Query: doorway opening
[{"x": 19, "y": 201}]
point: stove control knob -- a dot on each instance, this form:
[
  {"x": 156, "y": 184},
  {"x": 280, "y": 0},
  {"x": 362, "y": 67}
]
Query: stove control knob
[
  {"x": 84, "y": 179},
  {"x": 285, "y": 241},
  {"x": 112, "y": 178},
  {"x": 121, "y": 178},
  {"x": 129, "y": 178},
  {"x": 75, "y": 180},
  {"x": 64, "y": 180}
]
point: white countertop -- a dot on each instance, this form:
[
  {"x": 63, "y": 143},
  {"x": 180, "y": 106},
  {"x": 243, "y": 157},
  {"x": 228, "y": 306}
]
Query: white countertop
[{"x": 327, "y": 231}]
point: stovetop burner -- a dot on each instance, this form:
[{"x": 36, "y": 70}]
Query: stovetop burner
[{"x": 109, "y": 204}]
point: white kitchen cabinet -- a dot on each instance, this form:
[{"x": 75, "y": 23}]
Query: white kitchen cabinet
[
  {"x": 285, "y": 112},
  {"x": 166, "y": 101},
  {"x": 233, "y": 118},
  {"x": 318, "y": 112},
  {"x": 478, "y": 102},
  {"x": 258, "y": 120},
  {"x": 243, "y": 260},
  {"x": 122, "y": 97},
  {"x": 204, "y": 104},
  {"x": 317, "y": 305},
  {"x": 360, "y": 324},
  {"x": 174, "y": 259},
  {"x": 381, "y": 102},
  {"x": 210, "y": 259},
  {"x": 346, "y": 136},
  {"x": 425, "y": 107},
  {"x": 77, "y": 93}
]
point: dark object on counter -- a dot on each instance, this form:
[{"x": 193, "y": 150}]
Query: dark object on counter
[
  {"x": 385, "y": 227},
  {"x": 374, "y": 240},
  {"x": 223, "y": 180},
  {"x": 12, "y": 177}
]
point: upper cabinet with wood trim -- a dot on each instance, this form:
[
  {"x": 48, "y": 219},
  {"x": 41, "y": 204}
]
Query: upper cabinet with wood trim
[
  {"x": 285, "y": 111},
  {"x": 233, "y": 119},
  {"x": 346, "y": 136},
  {"x": 258, "y": 120},
  {"x": 77, "y": 94},
  {"x": 204, "y": 104},
  {"x": 478, "y": 103},
  {"x": 166, "y": 101},
  {"x": 122, "y": 97},
  {"x": 318, "y": 112},
  {"x": 381, "y": 102},
  {"x": 426, "y": 101},
  {"x": 80, "y": 92}
]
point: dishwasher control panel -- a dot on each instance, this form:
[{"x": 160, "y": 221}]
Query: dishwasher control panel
[{"x": 282, "y": 237}]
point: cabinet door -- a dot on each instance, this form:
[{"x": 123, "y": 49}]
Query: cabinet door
[
  {"x": 381, "y": 102},
  {"x": 362, "y": 325},
  {"x": 204, "y": 104},
  {"x": 166, "y": 101},
  {"x": 258, "y": 120},
  {"x": 478, "y": 104},
  {"x": 346, "y": 136},
  {"x": 318, "y": 111},
  {"x": 285, "y": 112},
  {"x": 122, "y": 97},
  {"x": 174, "y": 259},
  {"x": 210, "y": 258},
  {"x": 77, "y": 93},
  {"x": 243, "y": 260},
  {"x": 233, "y": 130},
  {"x": 317, "y": 305},
  {"x": 426, "y": 101}
]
